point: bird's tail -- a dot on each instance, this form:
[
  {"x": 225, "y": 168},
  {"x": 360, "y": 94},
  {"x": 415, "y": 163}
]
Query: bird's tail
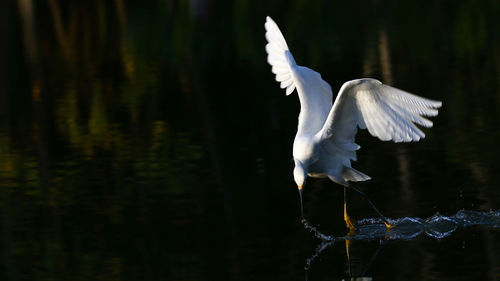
[{"x": 350, "y": 174}]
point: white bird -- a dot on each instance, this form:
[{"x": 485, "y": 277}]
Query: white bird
[{"x": 324, "y": 144}]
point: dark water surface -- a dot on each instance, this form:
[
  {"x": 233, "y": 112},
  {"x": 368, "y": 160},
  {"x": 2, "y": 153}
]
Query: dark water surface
[{"x": 151, "y": 142}]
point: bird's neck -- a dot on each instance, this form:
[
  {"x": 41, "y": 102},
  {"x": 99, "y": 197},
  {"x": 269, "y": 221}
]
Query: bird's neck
[{"x": 310, "y": 122}]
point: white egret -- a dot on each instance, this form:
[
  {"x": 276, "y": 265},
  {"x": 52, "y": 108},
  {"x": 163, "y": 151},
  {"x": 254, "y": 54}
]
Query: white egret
[{"x": 324, "y": 144}]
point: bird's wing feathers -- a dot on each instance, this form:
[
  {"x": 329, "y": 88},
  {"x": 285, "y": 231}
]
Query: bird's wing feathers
[
  {"x": 388, "y": 113},
  {"x": 314, "y": 93},
  {"x": 278, "y": 56}
]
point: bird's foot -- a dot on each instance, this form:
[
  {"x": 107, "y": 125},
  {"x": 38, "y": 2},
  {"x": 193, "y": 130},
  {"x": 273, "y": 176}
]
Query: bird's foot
[
  {"x": 388, "y": 225},
  {"x": 350, "y": 224}
]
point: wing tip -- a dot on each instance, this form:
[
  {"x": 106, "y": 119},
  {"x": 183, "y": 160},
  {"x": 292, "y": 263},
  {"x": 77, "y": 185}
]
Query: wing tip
[
  {"x": 269, "y": 21},
  {"x": 280, "y": 56}
]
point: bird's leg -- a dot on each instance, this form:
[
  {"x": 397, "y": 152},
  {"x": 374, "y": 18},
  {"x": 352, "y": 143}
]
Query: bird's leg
[
  {"x": 384, "y": 219},
  {"x": 347, "y": 248},
  {"x": 347, "y": 219}
]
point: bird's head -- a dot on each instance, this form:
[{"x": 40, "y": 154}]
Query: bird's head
[{"x": 299, "y": 174}]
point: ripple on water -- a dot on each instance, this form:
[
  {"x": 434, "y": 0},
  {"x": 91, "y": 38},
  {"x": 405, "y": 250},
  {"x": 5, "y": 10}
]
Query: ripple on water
[
  {"x": 437, "y": 226},
  {"x": 468, "y": 218},
  {"x": 407, "y": 228}
]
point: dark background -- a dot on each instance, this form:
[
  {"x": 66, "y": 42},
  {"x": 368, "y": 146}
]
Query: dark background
[{"x": 149, "y": 140}]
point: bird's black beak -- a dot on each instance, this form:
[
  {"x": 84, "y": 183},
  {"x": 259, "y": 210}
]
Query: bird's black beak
[{"x": 301, "y": 205}]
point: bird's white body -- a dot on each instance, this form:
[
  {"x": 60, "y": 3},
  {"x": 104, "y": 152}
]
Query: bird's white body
[{"x": 324, "y": 144}]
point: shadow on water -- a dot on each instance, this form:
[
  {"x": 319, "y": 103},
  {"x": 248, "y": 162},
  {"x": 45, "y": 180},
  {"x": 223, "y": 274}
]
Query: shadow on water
[{"x": 407, "y": 228}]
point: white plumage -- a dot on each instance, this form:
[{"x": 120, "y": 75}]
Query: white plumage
[{"x": 324, "y": 144}]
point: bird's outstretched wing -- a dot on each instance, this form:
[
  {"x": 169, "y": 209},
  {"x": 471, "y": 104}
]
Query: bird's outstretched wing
[
  {"x": 276, "y": 56},
  {"x": 314, "y": 93},
  {"x": 388, "y": 113}
]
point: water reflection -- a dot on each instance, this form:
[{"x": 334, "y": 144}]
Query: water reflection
[
  {"x": 358, "y": 266},
  {"x": 373, "y": 229}
]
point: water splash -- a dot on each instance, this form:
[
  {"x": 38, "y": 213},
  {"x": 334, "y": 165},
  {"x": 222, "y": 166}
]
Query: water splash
[
  {"x": 437, "y": 226},
  {"x": 407, "y": 228}
]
